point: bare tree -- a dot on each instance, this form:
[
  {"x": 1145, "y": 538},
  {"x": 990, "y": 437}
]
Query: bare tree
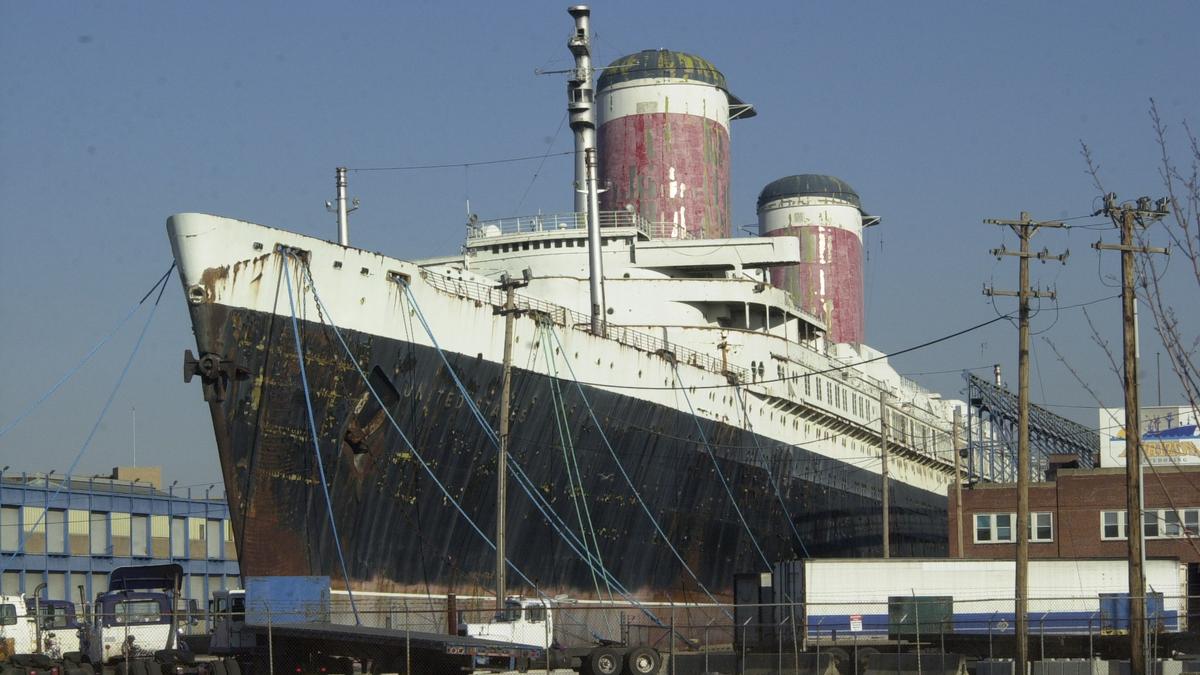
[{"x": 1181, "y": 229}]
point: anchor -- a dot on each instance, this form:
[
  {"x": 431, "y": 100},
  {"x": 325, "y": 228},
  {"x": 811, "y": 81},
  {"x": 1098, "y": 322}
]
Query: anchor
[{"x": 215, "y": 373}]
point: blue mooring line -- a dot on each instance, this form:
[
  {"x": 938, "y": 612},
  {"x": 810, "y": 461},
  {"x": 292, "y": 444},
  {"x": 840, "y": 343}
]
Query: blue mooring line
[
  {"x": 161, "y": 286},
  {"x": 316, "y": 442}
]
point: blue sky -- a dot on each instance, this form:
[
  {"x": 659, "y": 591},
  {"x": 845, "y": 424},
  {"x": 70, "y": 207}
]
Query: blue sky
[{"x": 115, "y": 115}]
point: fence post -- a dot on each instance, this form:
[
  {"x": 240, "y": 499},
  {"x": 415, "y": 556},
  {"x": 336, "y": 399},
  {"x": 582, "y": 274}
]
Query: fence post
[
  {"x": 779, "y": 648},
  {"x": 991, "y": 655},
  {"x": 672, "y": 639},
  {"x": 1042, "y": 630},
  {"x": 270, "y": 644},
  {"x": 917, "y": 609}
]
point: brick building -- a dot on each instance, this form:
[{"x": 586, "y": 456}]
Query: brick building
[{"x": 1081, "y": 514}]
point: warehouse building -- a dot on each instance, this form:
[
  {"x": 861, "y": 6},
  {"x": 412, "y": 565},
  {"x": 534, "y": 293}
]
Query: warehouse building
[{"x": 69, "y": 533}]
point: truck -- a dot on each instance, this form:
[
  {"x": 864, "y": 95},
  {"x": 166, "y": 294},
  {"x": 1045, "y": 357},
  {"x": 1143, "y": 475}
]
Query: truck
[
  {"x": 133, "y": 628},
  {"x": 284, "y": 624},
  {"x": 17, "y": 629},
  {"x": 537, "y": 622},
  {"x": 56, "y": 626}
]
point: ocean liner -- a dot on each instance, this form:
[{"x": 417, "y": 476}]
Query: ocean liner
[{"x": 682, "y": 404}]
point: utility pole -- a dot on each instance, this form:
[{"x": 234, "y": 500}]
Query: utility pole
[
  {"x": 957, "y": 477},
  {"x": 1025, "y": 228},
  {"x": 883, "y": 471},
  {"x": 510, "y": 312},
  {"x": 1124, "y": 217}
]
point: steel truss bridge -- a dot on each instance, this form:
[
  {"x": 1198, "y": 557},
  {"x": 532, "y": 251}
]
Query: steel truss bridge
[{"x": 992, "y": 436}]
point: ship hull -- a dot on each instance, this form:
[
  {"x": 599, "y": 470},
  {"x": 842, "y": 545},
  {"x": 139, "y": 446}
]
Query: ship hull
[{"x": 399, "y": 531}]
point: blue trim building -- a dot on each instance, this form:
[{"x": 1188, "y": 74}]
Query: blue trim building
[{"x": 68, "y": 533}]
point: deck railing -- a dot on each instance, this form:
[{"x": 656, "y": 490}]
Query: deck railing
[{"x": 560, "y": 222}]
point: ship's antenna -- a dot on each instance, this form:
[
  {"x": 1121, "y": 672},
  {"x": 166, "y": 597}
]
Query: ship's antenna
[
  {"x": 580, "y": 97},
  {"x": 343, "y": 212}
]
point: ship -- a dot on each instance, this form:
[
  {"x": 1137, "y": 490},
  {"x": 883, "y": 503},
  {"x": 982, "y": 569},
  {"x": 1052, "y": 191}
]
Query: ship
[{"x": 675, "y": 404}]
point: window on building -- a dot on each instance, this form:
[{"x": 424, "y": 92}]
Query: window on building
[
  {"x": 10, "y": 528},
  {"x": 1191, "y": 522},
  {"x": 1171, "y": 526},
  {"x": 120, "y": 526},
  {"x": 77, "y": 531},
  {"x": 196, "y": 549},
  {"x": 1112, "y": 524},
  {"x": 98, "y": 534},
  {"x": 1150, "y": 524},
  {"x": 34, "y": 521},
  {"x": 160, "y": 536},
  {"x": 213, "y": 539},
  {"x": 138, "y": 531},
  {"x": 1041, "y": 526},
  {"x": 994, "y": 528},
  {"x": 56, "y": 532},
  {"x": 179, "y": 540}
]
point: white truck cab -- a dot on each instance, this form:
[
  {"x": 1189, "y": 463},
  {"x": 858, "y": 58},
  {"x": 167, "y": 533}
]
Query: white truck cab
[
  {"x": 524, "y": 621},
  {"x": 16, "y": 624}
]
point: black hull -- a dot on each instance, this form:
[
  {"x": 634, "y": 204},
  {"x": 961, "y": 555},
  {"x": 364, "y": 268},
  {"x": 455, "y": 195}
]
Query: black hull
[{"x": 397, "y": 531}]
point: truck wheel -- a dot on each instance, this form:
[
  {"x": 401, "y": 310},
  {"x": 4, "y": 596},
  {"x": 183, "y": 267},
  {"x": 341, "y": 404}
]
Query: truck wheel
[
  {"x": 604, "y": 661},
  {"x": 643, "y": 661},
  {"x": 217, "y": 668},
  {"x": 232, "y": 667},
  {"x": 137, "y": 667},
  {"x": 122, "y": 668},
  {"x": 86, "y": 668},
  {"x": 153, "y": 667}
]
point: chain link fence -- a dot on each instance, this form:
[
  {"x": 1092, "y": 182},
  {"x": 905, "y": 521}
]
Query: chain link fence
[{"x": 905, "y": 634}]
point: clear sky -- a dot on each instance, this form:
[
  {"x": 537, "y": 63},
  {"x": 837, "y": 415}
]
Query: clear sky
[{"x": 115, "y": 115}]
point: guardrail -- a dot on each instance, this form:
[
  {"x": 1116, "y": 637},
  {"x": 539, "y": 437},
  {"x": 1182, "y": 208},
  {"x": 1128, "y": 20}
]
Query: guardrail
[{"x": 559, "y": 222}]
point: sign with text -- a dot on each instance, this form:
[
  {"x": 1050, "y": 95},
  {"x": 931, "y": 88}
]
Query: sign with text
[{"x": 1169, "y": 436}]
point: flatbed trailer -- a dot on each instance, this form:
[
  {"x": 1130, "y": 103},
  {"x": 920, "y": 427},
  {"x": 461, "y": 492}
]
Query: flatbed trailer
[{"x": 313, "y": 646}]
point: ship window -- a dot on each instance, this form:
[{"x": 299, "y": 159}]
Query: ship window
[
  {"x": 495, "y": 248},
  {"x": 819, "y": 389},
  {"x": 829, "y": 391},
  {"x": 558, "y": 244},
  {"x": 807, "y": 386}
]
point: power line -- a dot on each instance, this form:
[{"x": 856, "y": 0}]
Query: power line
[{"x": 459, "y": 165}]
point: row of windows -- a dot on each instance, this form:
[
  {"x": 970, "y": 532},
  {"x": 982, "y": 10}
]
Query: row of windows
[
  {"x": 64, "y": 532},
  {"x": 1156, "y": 524},
  {"x": 63, "y": 585},
  {"x": 556, "y": 243},
  {"x": 998, "y": 528}
]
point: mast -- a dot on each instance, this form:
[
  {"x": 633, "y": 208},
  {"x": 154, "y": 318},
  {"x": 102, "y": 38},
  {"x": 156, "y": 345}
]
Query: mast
[
  {"x": 580, "y": 98},
  {"x": 340, "y": 207}
]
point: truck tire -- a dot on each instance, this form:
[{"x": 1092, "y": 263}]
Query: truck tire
[
  {"x": 122, "y": 668},
  {"x": 74, "y": 658},
  {"x": 217, "y": 668},
  {"x": 643, "y": 661},
  {"x": 232, "y": 667},
  {"x": 86, "y": 668},
  {"x": 605, "y": 661},
  {"x": 153, "y": 667},
  {"x": 137, "y": 667}
]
